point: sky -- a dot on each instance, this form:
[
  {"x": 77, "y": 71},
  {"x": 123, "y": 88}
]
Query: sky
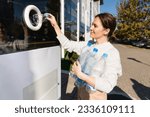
[{"x": 109, "y": 6}]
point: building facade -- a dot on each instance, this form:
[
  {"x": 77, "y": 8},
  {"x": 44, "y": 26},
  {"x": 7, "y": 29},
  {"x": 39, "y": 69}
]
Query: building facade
[{"x": 78, "y": 16}]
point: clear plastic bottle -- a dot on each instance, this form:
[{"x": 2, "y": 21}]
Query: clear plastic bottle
[
  {"x": 78, "y": 81},
  {"x": 81, "y": 59},
  {"x": 89, "y": 88},
  {"x": 85, "y": 52},
  {"x": 88, "y": 66}
]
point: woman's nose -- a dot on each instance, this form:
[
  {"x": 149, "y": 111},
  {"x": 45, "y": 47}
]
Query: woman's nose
[{"x": 92, "y": 26}]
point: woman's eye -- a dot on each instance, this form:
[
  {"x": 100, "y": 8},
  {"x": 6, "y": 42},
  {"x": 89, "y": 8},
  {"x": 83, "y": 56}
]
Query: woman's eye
[{"x": 95, "y": 25}]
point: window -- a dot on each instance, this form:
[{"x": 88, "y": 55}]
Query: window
[{"x": 15, "y": 36}]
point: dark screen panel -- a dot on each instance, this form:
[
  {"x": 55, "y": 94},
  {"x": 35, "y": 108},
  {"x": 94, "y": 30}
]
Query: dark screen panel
[{"x": 15, "y": 35}]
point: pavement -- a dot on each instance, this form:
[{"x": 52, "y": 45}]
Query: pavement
[{"x": 135, "y": 81}]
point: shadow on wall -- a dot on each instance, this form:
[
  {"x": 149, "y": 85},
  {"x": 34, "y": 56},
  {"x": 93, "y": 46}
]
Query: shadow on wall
[{"x": 142, "y": 91}]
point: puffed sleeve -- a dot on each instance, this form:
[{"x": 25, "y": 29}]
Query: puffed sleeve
[
  {"x": 112, "y": 70},
  {"x": 71, "y": 45}
]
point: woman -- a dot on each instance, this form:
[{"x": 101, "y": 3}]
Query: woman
[
  {"x": 12, "y": 46},
  {"x": 99, "y": 65}
]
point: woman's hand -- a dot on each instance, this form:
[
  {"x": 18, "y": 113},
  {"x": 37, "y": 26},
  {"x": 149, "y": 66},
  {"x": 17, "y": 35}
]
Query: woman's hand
[
  {"x": 53, "y": 22},
  {"x": 76, "y": 68}
]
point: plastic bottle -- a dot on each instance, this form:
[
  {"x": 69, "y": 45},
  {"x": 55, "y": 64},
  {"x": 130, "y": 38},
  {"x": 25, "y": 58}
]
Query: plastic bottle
[
  {"x": 87, "y": 68},
  {"x": 78, "y": 81},
  {"x": 89, "y": 88}
]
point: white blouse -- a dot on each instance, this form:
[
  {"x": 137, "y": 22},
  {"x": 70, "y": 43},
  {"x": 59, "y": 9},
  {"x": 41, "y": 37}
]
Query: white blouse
[{"x": 108, "y": 67}]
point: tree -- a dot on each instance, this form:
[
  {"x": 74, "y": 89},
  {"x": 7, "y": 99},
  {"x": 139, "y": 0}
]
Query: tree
[{"x": 133, "y": 20}]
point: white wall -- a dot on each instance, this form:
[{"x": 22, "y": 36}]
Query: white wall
[{"x": 28, "y": 74}]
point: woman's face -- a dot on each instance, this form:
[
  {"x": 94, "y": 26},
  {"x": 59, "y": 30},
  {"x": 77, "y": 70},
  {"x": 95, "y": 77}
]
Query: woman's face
[{"x": 97, "y": 31}]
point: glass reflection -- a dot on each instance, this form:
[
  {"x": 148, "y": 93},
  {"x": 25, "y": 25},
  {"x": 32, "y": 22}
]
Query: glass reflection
[{"x": 15, "y": 36}]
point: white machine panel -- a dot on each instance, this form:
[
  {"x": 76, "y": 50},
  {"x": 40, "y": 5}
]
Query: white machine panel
[{"x": 33, "y": 74}]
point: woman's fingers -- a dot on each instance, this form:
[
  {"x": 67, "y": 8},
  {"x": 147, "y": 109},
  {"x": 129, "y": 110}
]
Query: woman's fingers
[
  {"x": 52, "y": 20},
  {"x": 77, "y": 63}
]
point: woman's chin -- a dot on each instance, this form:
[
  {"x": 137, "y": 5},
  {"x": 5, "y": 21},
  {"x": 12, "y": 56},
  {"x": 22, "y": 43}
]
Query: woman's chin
[{"x": 91, "y": 36}]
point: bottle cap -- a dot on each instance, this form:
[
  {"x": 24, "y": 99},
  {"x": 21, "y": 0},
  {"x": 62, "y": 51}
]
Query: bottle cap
[
  {"x": 95, "y": 50},
  {"x": 105, "y": 55},
  {"x": 89, "y": 44}
]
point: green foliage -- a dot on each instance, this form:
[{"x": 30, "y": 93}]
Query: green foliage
[
  {"x": 133, "y": 19},
  {"x": 69, "y": 59},
  {"x": 72, "y": 57}
]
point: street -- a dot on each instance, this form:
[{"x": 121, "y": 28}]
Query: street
[{"x": 135, "y": 81}]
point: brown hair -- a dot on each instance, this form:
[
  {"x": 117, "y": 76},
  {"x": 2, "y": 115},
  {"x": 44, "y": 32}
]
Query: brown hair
[{"x": 108, "y": 22}]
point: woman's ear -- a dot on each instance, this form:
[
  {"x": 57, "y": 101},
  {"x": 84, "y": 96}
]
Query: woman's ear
[{"x": 107, "y": 31}]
